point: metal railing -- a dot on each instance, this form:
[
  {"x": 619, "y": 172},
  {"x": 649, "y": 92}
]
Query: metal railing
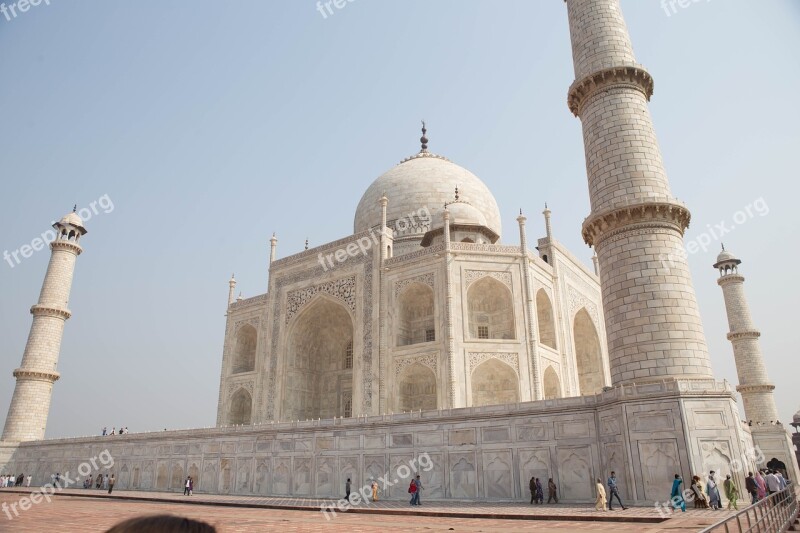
[{"x": 774, "y": 514}]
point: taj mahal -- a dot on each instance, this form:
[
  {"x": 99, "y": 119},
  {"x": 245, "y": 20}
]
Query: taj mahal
[{"x": 430, "y": 330}]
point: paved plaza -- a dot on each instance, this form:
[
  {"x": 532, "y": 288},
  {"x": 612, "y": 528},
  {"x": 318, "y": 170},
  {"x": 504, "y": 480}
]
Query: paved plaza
[{"x": 91, "y": 510}]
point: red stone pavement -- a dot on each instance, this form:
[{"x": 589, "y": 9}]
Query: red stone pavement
[{"x": 94, "y": 510}]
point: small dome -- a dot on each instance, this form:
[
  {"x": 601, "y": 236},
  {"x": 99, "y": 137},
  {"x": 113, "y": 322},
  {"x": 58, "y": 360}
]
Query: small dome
[
  {"x": 725, "y": 255},
  {"x": 461, "y": 214},
  {"x": 73, "y": 219}
]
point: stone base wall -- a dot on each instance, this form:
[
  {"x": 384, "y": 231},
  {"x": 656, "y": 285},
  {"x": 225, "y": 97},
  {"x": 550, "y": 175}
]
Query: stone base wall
[{"x": 645, "y": 433}]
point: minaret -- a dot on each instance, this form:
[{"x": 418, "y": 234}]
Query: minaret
[
  {"x": 273, "y": 247},
  {"x": 770, "y": 437},
  {"x": 754, "y": 385},
  {"x": 30, "y": 404},
  {"x": 635, "y": 220},
  {"x": 231, "y": 289},
  {"x": 548, "y": 227},
  {"x": 536, "y": 393},
  {"x": 385, "y": 239}
]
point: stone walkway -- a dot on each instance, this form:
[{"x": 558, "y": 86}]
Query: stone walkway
[{"x": 93, "y": 510}]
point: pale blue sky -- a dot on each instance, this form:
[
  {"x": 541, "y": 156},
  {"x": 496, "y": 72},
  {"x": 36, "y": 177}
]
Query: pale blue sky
[{"x": 210, "y": 125}]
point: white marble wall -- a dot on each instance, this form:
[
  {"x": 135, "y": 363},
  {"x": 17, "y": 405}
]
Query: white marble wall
[{"x": 477, "y": 453}]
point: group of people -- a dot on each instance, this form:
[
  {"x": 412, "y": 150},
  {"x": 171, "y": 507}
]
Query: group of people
[
  {"x": 537, "y": 491},
  {"x": 764, "y": 483},
  {"x": 114, "y": 431},
  {"x": 10, "y": 480},
  {"x": 100, "y": 482},
  {"x": 613, "y": 490}
]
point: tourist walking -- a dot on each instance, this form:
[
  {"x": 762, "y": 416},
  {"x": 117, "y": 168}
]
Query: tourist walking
[
  {"x": 186, "y": 486},
  {"x": 676, "y": 496},
  {"x": 28, "y": 481},
  {"x": 374, "y": 491},
  {"x": 111, "y": 482},
  {"x": 781, "y": 480},
  {"x": 751, "y": 487},
  {"x": 731, "y": 492},
  {"x": 613, "y": 490},
  {"x": 418, "y": 492},
  {"x": 539, "y": 492},
  {"x": 412, "y": 489},
  {"x": 700, "y": 498},
  {"x": 191, "y": 485},
  {"x": 600, "y": 503},
  {"x": 532, "y": 487},
  {"x": 761, "y": 483},
  {"x": 552, "y": 491},
  {"x": 347, "y": 490},
  {"x": 99, "y": 481},
  {"x": 713, "y": 492}
]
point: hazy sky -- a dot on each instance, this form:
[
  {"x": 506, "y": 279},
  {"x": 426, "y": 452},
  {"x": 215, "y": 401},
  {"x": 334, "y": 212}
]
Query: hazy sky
[{"x": 209, "y": 125}]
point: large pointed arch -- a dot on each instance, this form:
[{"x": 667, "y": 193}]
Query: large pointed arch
[
  {"x": 318, "y": 377},
  {"x": 546, "y": 319},
  {"x": 588, "y": 355},
  {"x": 490, "y": 309}
]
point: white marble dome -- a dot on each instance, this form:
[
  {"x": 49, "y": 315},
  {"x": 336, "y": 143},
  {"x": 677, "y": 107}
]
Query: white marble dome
[{"x": 425, "y": 181}]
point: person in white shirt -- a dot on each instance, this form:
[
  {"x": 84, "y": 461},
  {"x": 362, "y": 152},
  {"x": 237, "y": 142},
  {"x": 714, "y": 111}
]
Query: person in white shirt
[
  {"x": 28, "y": 481},
  {"x": 773, "y": 484},
  {"x": 781, "y": 479}
]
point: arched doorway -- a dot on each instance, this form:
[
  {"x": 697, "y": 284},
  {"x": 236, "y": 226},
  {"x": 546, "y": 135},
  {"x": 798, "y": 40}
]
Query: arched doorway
[
  {"x": 318, "y": 379},
  {"x": 491, "y": 311},
  {"x": 494, "y": 382},
  {"x": 552, "y": 385},
  {"x": 545, "y": 317},
  {"x": 588, "y": 356},
  {"x": 244, "y": 352},
  {"x": 416, "y": 388},
  {"x": 415, "y": 323},
  {"x": 241, "y": 408}
]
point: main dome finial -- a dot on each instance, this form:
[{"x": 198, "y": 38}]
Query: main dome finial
[{"x": 424, "y": 140}]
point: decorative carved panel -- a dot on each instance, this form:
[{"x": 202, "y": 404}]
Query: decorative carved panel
[
  {"x": 342, "y": 289},
  {"x": 474, "y": 275}
]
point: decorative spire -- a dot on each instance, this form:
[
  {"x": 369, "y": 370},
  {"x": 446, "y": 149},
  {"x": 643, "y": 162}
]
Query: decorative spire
[
  {"x": 520, "y": 211},
  {"x": 456, "y": 193},
  {"x": 723, "y": 246},
  {"x": 74, "y": 208},
  {"x": 306, "y": 244},
  {"x": 424, "y": 139}
]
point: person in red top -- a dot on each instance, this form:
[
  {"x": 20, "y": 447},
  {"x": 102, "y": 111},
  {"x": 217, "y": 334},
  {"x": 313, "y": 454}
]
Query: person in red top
[{"x": 412, "y": 489}]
